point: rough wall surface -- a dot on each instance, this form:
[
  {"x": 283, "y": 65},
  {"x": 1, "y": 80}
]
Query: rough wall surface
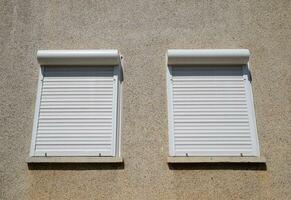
[{"x": 143, "y": 31}]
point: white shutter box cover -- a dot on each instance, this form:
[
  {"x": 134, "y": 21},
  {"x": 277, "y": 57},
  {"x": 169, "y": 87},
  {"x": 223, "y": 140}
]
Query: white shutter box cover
[
  {"x": 77, "y": 111},
  {"x": 211, "y": 110},
  {"x": 78, "y": 57},
  {"x": 207, "y": 56}
]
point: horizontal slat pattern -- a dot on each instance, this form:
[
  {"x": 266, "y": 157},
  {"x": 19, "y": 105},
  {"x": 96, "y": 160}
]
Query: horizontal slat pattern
[
  {"x": 75, "y": 116},
  {"x": 210, "y": 112}
]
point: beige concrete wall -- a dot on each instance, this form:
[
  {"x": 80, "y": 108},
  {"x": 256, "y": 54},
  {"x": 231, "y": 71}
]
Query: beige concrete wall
[{"x": 143, "y": 30}]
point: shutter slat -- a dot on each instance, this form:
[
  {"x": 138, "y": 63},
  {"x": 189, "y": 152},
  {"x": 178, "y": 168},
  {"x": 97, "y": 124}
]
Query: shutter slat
[
  {"x": 70, "y": 135},
  {"x": 76, "y": 110},
  {"x": 210, "y": 111}
]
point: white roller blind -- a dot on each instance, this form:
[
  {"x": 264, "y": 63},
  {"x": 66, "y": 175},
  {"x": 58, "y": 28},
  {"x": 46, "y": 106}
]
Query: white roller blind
[
  {"x": 77, "y": 111},
  {"x": 211, "y": 111}
]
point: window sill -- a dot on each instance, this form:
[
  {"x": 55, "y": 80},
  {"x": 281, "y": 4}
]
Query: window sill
[
  {"x": 35, "y": 159},
  {"x": 197, "y": 159}
]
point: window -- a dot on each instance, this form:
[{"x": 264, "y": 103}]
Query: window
[
  {"x": 210, "y": 105},
  {"x": 77, "y": 108}
]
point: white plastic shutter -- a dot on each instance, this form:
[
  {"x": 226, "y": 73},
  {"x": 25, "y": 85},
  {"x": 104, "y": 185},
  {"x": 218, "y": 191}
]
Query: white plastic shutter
[
  {"x": 77, "y": 114},
  {"x": 211, "y": 111}
]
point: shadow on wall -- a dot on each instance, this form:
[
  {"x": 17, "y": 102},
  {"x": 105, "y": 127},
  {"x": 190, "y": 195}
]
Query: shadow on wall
[
  {"x": 76, "y": 166},
  {"x": 218, "y": 166},
  {"x": 176, "y": 166}
]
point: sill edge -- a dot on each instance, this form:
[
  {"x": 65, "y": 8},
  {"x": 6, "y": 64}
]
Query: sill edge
[
  {"x": 249, "y": 159},
  {"x": 59, "y": 159}
]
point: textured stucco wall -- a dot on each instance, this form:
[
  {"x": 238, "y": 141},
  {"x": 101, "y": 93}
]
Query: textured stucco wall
[{"x": 143, "y": 30}]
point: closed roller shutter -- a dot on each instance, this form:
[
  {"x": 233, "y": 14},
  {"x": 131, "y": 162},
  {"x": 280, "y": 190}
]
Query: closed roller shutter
[
  {"x": 211, "y": 111},
  {"x": 77, "y": 115}
]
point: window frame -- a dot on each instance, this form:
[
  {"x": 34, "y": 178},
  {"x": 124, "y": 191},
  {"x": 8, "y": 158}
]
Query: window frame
[
  {"x": 200, "y": 57},
  {"x": 113, "y": 61}
]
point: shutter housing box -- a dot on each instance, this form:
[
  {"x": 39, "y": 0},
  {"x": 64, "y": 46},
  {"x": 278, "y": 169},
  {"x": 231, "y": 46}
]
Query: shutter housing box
[
  {"x": 77, "y": 107},
  {"x": 210, "y": 103}
]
